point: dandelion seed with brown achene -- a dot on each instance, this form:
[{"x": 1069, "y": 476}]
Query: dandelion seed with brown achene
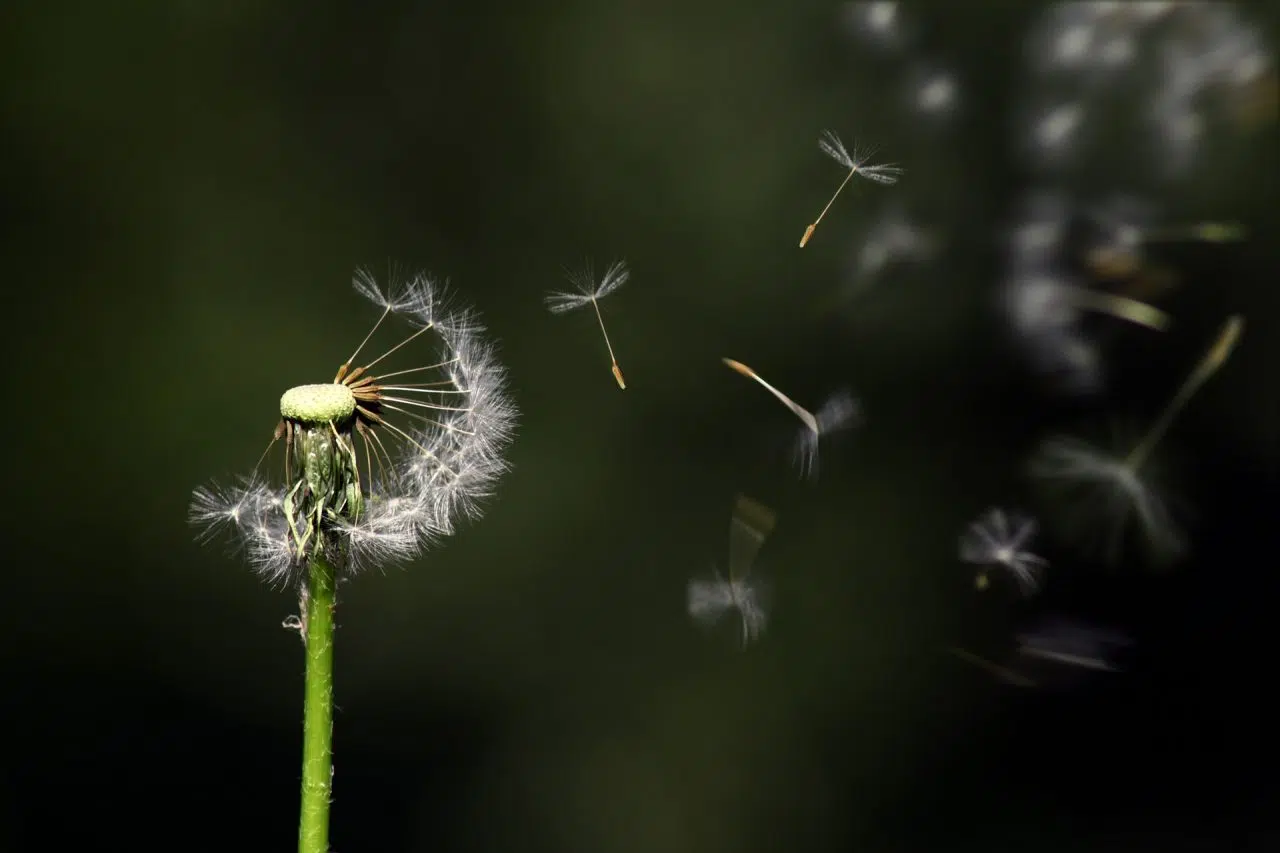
[
  {"x": 839, "y": 412},
  {"x": 588, "y": 290},
  {"x": 831, "y": 145}
]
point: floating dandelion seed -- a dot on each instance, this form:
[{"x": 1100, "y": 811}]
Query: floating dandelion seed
[
  {"x": 999, "y": 539},
  {"x": 1005, "y": 674},
  {"x": 1117, "y": 251},
  {"x": 1109, "y": 487},
  {"x": 709, "y": 600},
  {"x": 1056, "y": 653},
  {"x": 1046, "y": 303},
  {"x": 831, "y": 145},
  {"x": 1121, "y": 307},
  {"x": 840, "y": 411},
  {"x": 591, "y": 291},
  {"x": 1067, "y": 642}
]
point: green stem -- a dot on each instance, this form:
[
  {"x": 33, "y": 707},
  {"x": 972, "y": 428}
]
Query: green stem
[{"x": 317, "y": 728}]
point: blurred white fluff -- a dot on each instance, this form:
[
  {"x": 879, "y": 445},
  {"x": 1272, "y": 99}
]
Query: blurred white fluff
[
  {"x": 999, "y": 540},
  {"x": 709, "y": 599}
]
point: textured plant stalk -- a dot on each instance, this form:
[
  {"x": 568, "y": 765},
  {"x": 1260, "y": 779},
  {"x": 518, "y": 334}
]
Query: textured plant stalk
[{"x": 317, "y": 727}]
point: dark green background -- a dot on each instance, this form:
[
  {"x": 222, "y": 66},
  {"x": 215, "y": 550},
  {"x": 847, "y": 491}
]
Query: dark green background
[{"x": 187, "y": 188}]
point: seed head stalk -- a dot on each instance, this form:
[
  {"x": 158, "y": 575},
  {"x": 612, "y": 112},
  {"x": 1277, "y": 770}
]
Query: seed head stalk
[
  {"x": 317, "y": 727},
  {"x": 329, "y": 480}
]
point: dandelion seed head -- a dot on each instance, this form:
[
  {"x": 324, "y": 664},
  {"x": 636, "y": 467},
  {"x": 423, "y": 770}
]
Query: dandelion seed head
[
  {"x": 383, "y": 460},
  {"x": 318, "y": 404}
]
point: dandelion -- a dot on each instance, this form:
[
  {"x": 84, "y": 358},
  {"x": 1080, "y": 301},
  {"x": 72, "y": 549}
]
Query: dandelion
[
  {"x": 831, "y": 145},
  {"x": 591, "y": 291},
  {"x": 998, "y": 540},
  {"x": 378, "y": 463},
  {"x": 708, "y": 600},
  {"x": 1111, "y": 488},
  {"x": 839, "y": 412}
]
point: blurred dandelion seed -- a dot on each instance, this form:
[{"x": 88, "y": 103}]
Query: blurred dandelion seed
[
  {"x": 936, "y": 94},
  {"x": 1005, "y": 674},
  {"x": 1120, "y": 254},
  {"x": 591, "y": 291},
  {"x": 1121, "y": 307},
  {"x": 1203, "y": 232},
  {"x": 1072, "y": 643},
  {"x": 998, "y": 540},
  {"x": 709, "y": 599},
  {"x": 895, "y": 240},
  {"x": 1047, "y": 303},
  {"x": 881, "y": 16},
  {"x": 1110, "y": 487},
  {"x": 831, "y": 145},
  {"x": 876, "y": 22},
  {"x": 1055, "y": 652},
  {"x": 840, "y": 411}
]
